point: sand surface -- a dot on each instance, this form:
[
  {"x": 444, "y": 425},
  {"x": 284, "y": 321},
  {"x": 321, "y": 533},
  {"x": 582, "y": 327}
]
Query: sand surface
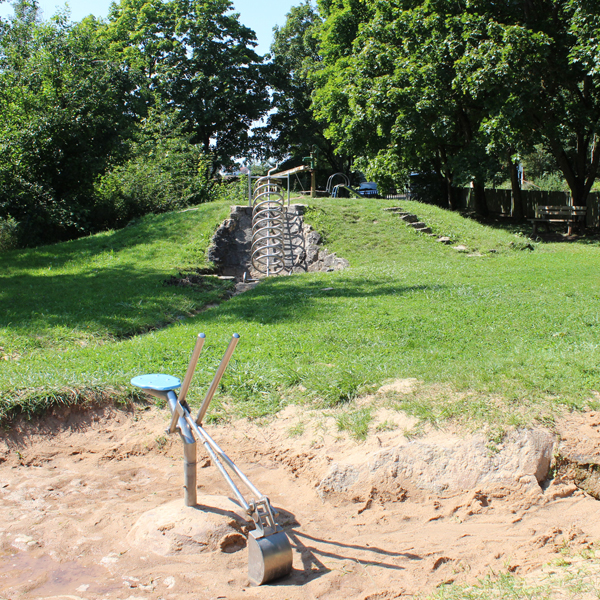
[{"x": 73, "y": 486}]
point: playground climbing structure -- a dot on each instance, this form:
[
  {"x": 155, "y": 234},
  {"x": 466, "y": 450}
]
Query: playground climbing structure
[{"x": 268, "y": 222}]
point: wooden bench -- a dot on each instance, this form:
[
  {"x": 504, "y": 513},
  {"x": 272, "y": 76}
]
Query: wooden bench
[{"x": 559, "y": 214}]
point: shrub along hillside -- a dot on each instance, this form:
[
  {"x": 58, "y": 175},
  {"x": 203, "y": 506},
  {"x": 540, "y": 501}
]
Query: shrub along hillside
[{"x": 507, "y": 336}]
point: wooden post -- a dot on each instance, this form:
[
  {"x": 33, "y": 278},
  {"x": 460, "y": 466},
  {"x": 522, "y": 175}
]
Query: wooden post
[{"x": 313, "y": 184}]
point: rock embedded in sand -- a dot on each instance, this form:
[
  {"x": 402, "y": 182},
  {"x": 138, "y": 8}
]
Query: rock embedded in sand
[
  {"x": 215, "y": 524},
  {"x": 24, "y": 542},
  {"x": 447, "y": 463}
]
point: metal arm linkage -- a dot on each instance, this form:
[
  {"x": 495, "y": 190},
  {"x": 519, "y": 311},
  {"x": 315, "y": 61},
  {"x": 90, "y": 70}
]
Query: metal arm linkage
[{"x": 260, "y": 509}]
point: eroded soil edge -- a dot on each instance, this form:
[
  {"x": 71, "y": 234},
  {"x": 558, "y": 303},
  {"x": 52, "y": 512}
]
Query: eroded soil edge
[{"x": 73, "y": 486}]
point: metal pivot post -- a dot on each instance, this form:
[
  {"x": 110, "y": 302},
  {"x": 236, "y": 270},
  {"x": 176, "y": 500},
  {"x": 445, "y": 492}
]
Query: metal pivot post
[
  {"x": 179, "y": 424},
  {"x": 313, "y": 158},
  {"x": 190, "y": 473}
]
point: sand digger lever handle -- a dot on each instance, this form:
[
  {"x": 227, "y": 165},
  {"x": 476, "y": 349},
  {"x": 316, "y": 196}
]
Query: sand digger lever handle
[
  {"x": 185, "y": 386},
  {"x": 217, "y": 378}
]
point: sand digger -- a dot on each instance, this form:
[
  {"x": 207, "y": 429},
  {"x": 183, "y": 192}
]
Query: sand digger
[{"x": 269, "y": 550}]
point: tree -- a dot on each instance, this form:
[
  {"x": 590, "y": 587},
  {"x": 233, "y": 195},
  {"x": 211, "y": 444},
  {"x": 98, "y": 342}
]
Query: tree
[
  {"x": 64, "y": 109},
  {"x": 197, "y": 59},
  {"x": 497, "y": 71},
  {"x": 390, "y": 95},
  {"x": 333, "y": 79},
  {"x": 568, "y": 111},
  {"x": 164, "y": 172},
  {"x": 464, "y": 85},
  {"x": 291, "y": 131},
  {"x": 538, "y": 61}
]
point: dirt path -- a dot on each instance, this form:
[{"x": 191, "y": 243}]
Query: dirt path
[{"x": 72, "y": 489}]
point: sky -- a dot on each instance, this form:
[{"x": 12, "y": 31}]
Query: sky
[{"x": 259, "y": 15}]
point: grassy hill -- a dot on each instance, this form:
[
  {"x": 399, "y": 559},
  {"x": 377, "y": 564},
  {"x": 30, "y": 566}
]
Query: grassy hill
[{"x": 499, "y": 334}]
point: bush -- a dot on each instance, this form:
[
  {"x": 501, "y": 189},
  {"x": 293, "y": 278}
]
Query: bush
[
  {"x": 165, "y": 172},
  {"x": 8, "y": 234},
  {"x": 157, "y": 183},
  {"x": 42, "y": 217},
  {"x": 386, "y": 170},
  {"x": 234, "y": 192},
  {"x": 429, "y": 188}
]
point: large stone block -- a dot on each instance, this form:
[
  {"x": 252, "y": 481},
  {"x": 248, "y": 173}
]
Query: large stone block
[{"x": 449, "y": 464}]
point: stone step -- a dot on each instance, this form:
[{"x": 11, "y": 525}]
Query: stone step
[
  {"x": 241, "y": 287},
  {"x": 409, "y": 218}
]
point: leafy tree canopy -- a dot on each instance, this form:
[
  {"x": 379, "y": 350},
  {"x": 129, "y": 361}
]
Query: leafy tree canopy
[
  {"x": 291, "y": 131},
  {"x": 197, "y": 60},
  {"x": 64, "y": 109},
  {"x": 164, "y": 172},
  {"x": 460, "y": 84}
]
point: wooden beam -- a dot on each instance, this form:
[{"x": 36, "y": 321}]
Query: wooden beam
[{"x": 299, "y": 169}]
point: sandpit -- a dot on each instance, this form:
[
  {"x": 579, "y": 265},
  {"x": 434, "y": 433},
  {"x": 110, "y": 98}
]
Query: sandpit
[{"x": 91, "y": 509}]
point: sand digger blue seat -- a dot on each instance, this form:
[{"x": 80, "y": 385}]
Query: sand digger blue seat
[{"x": 156, "y": 381}]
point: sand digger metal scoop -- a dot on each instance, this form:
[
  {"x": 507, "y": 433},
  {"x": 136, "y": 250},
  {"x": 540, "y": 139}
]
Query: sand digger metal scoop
[{"x": 269, "y": 550}]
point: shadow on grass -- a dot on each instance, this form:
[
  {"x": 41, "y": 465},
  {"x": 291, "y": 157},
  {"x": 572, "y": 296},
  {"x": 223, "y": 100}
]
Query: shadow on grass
[
  {"x": 288, "y": 299},
  {"x": 122, "y": 301},
  {"x": 118, "y": 301},
  {"x": 556, "y": 234},
  {"x": 146, "y": 231}
]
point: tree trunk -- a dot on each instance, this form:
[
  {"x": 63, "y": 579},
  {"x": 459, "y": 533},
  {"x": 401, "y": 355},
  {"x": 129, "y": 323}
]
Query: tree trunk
[
  {"x": 578, "y": 171},
  {"x": 593, "y": 170},
  {"x": 449, "y": 193},
  {"x": 517, "y": 197},
  {"x": 481, "y": 208},
  {"x": 447, "y": 176}
]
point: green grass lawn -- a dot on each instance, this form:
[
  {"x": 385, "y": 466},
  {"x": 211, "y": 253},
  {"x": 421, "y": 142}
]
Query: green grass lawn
[
  {"x": 502, "y": 338},
  {"x": 104, "y": 287}
]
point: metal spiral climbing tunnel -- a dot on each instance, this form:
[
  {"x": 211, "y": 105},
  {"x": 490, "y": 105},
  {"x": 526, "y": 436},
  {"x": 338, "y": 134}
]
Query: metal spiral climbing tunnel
[{"x": 268, "y": 220}]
